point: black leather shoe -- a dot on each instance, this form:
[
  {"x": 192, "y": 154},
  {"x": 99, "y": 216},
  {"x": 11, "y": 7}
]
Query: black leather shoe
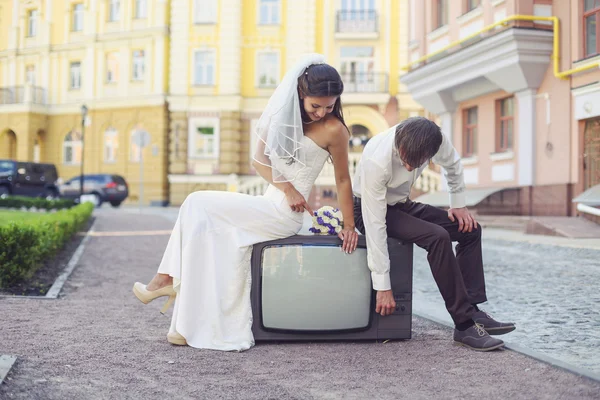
[
  {"x": 476, "y": 338},
  {"x": 492, "y": 326}
]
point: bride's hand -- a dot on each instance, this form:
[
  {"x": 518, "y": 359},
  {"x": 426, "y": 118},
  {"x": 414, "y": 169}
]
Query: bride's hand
[
  {"x": 296, "y": 201},
  {"x": 349, "y": 238}
]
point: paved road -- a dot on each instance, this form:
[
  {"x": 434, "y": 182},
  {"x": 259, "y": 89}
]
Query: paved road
[
  {"x": 551, "y": 292},
  {"x": 98, "y": 342}
]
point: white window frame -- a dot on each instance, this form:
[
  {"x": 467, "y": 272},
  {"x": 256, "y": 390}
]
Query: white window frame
[
  {"x": 75, "y": 78},
  {"x": 259, "y": 66},
  {"x": 138, "y": 65},
  {"x": 73, "y": 145},
  {"x": 193, "y": 125},
  {"x": 32, "y": 22},
  {"x": 78, "y": 17},
  {"x": 141, "y": 9},
  {"x": 198, "y": 81},
  {"x": 111, "y": 146},
  {"x": 205, "y": 11},
  {"x": 272, "y": 5},
  {"x": 114, "y": 10},
  {"x": 30, "y": 74},
  {"x": 111, "y": 77}
]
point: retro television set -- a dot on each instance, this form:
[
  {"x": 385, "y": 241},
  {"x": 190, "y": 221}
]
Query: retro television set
[{"x": 305, "y": 288}]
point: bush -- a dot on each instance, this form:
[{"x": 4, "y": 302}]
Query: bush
[
  {"x": 39, "y": 203},
  {"x": 25, "y": 244}
]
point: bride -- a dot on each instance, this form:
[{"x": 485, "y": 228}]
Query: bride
[{"x": 206, "y": 265}]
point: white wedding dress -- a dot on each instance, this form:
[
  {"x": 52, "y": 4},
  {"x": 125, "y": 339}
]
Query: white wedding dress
[{"x": 208, "y": 256}]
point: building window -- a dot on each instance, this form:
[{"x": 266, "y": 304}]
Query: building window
[
  {"x": 357, "y": 16},
  {"x": 137, "y": 73},
  {"x": 111, "y": 145},
  {"x": 203, "y": 138},
  {"x": 204, "y": 67},
  {"x": 205, "y": 11},
  {"x": 113, "y": 10},
  {"x": 72, "y": 148},
  {"x": 441, "y": 13},
  {"x": 267, "y": 67},
  {"x": 591, "y": 27},
  {"x": 469, "y": 132},
  {"x": 30, "y": 74},
  {"x": 141, "y": 11},
  {"x": 470, "y": 5},
  {"x": 269, "y": 12},
  {"x": 112, "y": 67},
  {"x": 505, "y": 126},
  {"x": 357, "y": 68},
  {"x": 78, "y": 17},
  {"x": 75, "y": 72},
  {"x": 32, "y": 22}
]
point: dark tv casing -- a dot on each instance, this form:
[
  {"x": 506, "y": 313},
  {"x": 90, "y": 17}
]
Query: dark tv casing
[{"x": 395, "y": 326}]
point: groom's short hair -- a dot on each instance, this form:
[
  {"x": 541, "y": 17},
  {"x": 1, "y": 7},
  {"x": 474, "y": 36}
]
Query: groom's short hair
[{"x": 417, "y": 139}]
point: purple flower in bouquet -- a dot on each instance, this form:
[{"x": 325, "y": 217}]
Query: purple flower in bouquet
[{"x": 327, "y": 221}]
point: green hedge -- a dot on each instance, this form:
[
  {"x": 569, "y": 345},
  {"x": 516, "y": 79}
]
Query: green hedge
[
  {"x": 39, "y": 203},
  {"x": 25, "y": 244}
]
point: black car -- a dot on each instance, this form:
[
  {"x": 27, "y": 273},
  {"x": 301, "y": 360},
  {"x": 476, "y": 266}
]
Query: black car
[
  {"x": 28, "y": 179},
  {"x": 104, "y": 187}
]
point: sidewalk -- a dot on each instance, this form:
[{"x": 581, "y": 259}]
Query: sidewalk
[{"x": 97, "y": 341}]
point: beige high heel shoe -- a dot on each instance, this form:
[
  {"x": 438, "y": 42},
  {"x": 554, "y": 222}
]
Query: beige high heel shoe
[
  {"x": 176, "y": 338},
  {"x": 146, "y": 296}
]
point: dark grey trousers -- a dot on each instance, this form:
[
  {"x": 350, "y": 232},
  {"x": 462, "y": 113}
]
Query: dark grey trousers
[{"x": 459, "y": 277}]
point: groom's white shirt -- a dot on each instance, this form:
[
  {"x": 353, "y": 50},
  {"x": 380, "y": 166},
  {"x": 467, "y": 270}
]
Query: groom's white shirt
[{"x": 381, "y": 180}]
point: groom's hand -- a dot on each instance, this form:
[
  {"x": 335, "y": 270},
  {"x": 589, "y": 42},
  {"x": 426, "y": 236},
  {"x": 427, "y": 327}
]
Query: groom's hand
[
  {"x": 466, "y": 222},
  {"x": 385, "y": 302}
]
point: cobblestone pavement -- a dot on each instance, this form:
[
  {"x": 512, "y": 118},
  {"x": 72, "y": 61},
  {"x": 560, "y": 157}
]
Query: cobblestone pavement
[
  {"x": 551, "y": 292},
  {"x": 97, "y": 341}
]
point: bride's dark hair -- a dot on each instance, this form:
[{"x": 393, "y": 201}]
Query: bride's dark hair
[{"x": 321, "y": 80}]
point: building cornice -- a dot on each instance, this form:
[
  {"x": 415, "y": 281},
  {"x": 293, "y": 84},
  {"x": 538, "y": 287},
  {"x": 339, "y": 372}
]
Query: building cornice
[{"x": 512, "y": 60}]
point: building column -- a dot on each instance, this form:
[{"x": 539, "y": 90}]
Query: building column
[
  {"x": 178, "y": 143},
  {"x": 230, "y": 136},
  {"x": 447, "y": 125},
  {"x": 526, "y": 136},
  {"x": 230, "y": 36}
]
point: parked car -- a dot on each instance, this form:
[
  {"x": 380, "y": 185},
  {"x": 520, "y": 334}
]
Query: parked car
[
  {"x": 28, "y": 179},
  {"x": 104, "y": 187}
]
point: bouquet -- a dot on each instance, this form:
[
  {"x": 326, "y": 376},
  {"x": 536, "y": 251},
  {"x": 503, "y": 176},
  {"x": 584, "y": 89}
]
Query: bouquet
[{"x": 327, "y": 221}]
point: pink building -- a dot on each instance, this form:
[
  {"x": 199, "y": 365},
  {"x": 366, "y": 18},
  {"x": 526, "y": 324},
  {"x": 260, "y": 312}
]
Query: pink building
[{"x": 528, "y": 130}]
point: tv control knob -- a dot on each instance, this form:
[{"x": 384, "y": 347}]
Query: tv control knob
[{"x": 402, "y": 308}]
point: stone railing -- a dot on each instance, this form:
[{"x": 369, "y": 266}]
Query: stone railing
[{"x": 429, "y": 181}]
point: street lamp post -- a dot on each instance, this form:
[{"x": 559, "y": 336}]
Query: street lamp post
[{"x": 84, "y": 111}]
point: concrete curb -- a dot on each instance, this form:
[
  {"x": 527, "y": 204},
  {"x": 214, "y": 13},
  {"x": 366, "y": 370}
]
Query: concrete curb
[
  {"x": 527, "y": 352},
  {"x": 56, "y": 287},
  {"x": 6, "y": 363}
]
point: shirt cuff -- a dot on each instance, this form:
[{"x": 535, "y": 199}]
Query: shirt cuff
[
  {"x": 381, "y": 281},
  {"x": 457, "y": 200}
]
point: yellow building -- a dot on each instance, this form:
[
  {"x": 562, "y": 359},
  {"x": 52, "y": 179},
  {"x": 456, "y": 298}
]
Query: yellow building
[
  {"x": 55, "y": 56},
  {"x": 196, "y": 74},
  {"x": 227, "y": 57}
]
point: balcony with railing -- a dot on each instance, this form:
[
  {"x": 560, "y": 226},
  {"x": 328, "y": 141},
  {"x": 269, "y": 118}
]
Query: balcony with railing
[
  {"x": 353, "y": 23},
  {"x": 26, "y": 94},
  {"x": 365, "y": 82}
]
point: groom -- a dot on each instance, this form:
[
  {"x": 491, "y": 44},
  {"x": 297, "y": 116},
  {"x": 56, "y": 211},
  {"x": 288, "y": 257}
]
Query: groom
[{"x": 390, "y": 164}]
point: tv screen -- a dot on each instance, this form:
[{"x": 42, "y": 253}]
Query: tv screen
[{"x": 315, "y": 288}]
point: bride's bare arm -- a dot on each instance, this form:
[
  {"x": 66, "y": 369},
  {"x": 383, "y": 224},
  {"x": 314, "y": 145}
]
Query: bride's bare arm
[{"x": 338, "y": 148}]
